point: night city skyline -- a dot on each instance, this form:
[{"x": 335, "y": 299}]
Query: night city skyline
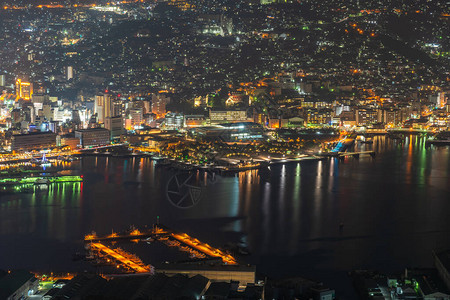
[{"x": 224, "y": 149}]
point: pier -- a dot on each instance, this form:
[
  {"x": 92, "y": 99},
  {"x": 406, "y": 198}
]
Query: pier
[
  {"x": 342, "y": 155},
  {"x": 356, "y": 154},
  {"x": 40, "y": 180},
  {"x": 204, "y": 248},
  {"x": 122, "y": 258},
  {"x": 184, "y": 242},
  {"x": 135, "y": 234}
]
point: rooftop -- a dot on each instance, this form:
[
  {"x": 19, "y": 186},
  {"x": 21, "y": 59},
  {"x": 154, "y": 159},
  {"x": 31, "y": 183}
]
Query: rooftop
[{"x": 11, "y": 281}]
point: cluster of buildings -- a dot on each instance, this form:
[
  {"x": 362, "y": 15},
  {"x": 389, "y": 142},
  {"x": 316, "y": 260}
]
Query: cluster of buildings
[
  {"x": 176, "y": 65},
  {"x": 428, "y": 284},
  {"x": 163, "y": 285},
  {"x": 45, "y": 122}
]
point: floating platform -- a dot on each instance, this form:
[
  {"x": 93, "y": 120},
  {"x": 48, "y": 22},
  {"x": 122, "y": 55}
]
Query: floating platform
[{"x": 39, "y": 180}]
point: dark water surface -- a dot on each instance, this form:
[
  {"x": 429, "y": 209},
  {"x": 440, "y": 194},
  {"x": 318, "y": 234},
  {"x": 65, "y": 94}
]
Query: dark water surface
[{"x": 395, "y": 210}]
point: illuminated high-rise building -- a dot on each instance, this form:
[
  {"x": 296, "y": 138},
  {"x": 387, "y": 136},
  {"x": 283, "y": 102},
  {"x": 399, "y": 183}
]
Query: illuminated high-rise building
[
  {"x": 24, "y": 89},
  {"x": 98, "y": 108},
  {"x": 136, "y": 116},
  {"x": 438, "y": 99},
  {"x": 108, "y": 105},
  {"x": 69, "y": 72},
  {"x": 117, "y": 108},
  {"x": 2, "y": 80},
  {"x": 159, "y": 105},
  {"x": 115, "y": 126},
  {"x": 103, "y": 107}
]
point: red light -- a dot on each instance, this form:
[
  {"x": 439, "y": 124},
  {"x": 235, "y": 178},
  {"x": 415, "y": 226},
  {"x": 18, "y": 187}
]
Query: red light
[{"x": 106, "y": 91}]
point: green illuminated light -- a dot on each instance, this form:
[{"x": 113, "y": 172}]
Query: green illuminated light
[{"x": 40, "y": 180}]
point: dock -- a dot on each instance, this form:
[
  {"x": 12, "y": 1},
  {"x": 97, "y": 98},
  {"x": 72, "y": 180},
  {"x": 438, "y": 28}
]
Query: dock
[
  {"x": 135, "y": 234},
  {"x": 342, "y": 155},
  {"x": 197, "y": 250},
  {"x": 204, "y": 248},
  {"x": 122, "y": 258},
  {"x": 357, "y": 154}
]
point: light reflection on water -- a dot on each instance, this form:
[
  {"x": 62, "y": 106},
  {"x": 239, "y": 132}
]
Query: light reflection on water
[{"x": 394, "y": 209}]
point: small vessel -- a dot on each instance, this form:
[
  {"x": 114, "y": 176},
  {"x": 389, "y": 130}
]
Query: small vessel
[{"x": 148, "y": 240}]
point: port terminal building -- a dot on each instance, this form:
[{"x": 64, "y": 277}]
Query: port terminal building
[
  {"x": 244, "y": 274},
  {"x": 33, "y": 140}
]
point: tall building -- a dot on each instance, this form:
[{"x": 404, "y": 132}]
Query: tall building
[
  {"x": 16, "y": 116},
  {"x": 367, "y": 116},
  {"x": 118, "y": 108},
  {"x": 38, "y": 100},
  {"x": 147, "y": 106},
  {"x": 28, "y": 113},
  {"x": 103, "y": 107},
  {"x": 108, "y": 106},
  {"x": 115, "y": 126},
  {"x": 47, "y": 112},
  {"x": 159, "y": 105},
  {"x": 24, "y": 89},
  {"x": 392, "y": 116},
  {"x": 136, "y": 116},
  {"x": 69, "y": 72},
  {"x": 2, "y": 80},
  {"x": 98, "y": 108},
  {"x": 438, "y": 99}
]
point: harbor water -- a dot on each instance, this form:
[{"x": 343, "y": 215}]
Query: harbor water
[{"x": 316, "y": 219}]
